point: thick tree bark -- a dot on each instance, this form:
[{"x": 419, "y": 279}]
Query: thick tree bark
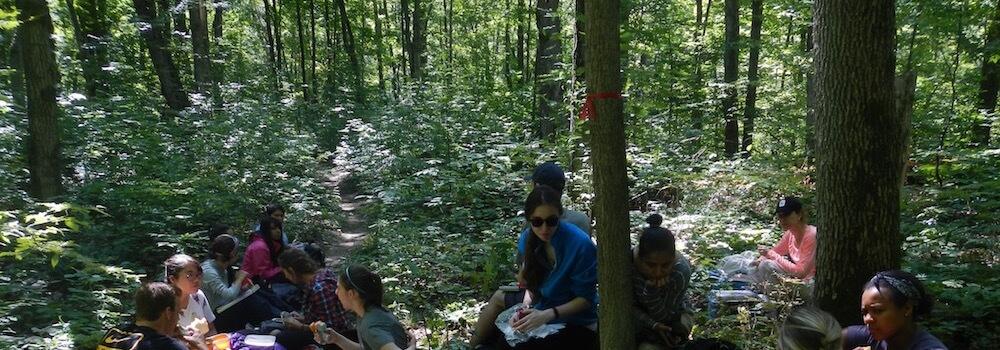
[
  {"x": 750, "y": 111},
  {"x": 302, "y": 50},
  {"x": 379, "y": 48},
  {"x": 217, "y": 20},
  {"x": 200, "y": 45},
  {"x": 731, "y": 51},
  {"x": 418, "y": 58},
  {"x": 989, "y": 84},
  {"x": 331, "y": 52},
  {"x": 580, "y": 37},
  {"x": 860, "y": 150},
  {"x": 159, "y": 53},
  {"x": 41, "y": 80},
  {"x": 610, "y": 181},
  {"x": 547, "y": 54}
]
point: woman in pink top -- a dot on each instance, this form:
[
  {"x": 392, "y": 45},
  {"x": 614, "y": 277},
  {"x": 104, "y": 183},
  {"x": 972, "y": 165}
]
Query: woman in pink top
[
  {"x": 260, "y": 261},
  {"x": 793, "y": 256}
]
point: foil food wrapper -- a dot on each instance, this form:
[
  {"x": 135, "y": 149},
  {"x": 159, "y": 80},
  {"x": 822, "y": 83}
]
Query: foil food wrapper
[{"x": 515, "y": 337}]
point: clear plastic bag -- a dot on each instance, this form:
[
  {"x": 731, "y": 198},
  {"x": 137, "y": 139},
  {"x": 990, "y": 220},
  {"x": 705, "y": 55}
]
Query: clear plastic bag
[
  {"x": 737, "y": 265},
  {"x": 515, "y": 337}
]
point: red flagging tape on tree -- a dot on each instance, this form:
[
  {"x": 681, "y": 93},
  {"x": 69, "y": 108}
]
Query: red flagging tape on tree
[{"x": 588, "y": 112}]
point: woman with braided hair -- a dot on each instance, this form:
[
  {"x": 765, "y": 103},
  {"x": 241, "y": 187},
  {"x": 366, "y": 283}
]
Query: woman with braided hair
[{"x": 891, "y": 304}]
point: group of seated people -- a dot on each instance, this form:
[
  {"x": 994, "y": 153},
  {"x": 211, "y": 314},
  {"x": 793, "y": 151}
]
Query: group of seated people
[
  {"x": 556, "y": 291},
  {"x": 280, "y": 291},
  {"x": 557, "y": 284}
]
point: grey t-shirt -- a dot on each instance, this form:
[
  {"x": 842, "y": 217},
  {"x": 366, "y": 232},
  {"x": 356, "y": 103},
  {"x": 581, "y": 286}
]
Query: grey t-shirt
[
  {"x": 857, "y": 336},
  {"x": 577, "y": 218},
  {"x": 379, "y": 327}
]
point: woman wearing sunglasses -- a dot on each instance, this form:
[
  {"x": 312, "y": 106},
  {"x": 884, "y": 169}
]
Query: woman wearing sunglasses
[{"x": 560, "y": 272}]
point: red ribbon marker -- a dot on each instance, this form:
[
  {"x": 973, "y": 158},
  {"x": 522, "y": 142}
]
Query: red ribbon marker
[{"x": 588, "y": 111}]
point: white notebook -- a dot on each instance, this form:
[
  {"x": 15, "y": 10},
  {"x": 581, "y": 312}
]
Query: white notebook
[{"x": 239, "y": 298}]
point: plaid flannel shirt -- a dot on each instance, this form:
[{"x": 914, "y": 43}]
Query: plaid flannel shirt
[{"x": 322, "y": 304}]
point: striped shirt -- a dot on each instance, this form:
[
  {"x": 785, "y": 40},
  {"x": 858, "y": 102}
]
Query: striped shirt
[{"x": 663, "y": 304}]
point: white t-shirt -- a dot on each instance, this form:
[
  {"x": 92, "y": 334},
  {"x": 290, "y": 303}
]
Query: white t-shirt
[{"x": 197, "y": 307}]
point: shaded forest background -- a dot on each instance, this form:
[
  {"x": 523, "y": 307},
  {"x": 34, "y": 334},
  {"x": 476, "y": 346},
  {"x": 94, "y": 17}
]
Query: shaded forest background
[{"x": 168, "y": 116}]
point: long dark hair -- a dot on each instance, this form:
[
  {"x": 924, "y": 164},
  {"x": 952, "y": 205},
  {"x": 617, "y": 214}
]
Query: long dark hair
[
  {"x": 536, "y": 267},
  {"x": 221, "y": 246},
  {"x": 656, "y": 239},
  {"x": 905, "y": 288},
  {"x": 268, "y": 223},
  {"x": 367, "y": 283}
]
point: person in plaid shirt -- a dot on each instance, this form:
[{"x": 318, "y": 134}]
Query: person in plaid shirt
[{"x": 321, "y": 302}]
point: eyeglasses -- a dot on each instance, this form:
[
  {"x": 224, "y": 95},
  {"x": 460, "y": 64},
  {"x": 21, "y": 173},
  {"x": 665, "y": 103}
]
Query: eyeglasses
[{"x": 551, "y": 221}]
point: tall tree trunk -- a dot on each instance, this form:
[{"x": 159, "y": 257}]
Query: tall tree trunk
[
  {"x": 508, "y": 50},
  {"x": 521, "y": 37},
  {"x": 158, "y": 45},
  {"x": 352, "y": 53},
  {"x": 379, "y": 48},
  {"x": 943, "y": 136},
  {"x": 269, "y": 36},
  {"x": 302, "y": 49},
  {"x": 200, "y": 45},
  {"x": 90, "y": 29},
  {"x": 989, "y": 84},
  {"x": 579, "y": 48},
  {"x": 610, "y": 180},
  {"x": 418, "y": 56},
  {"x": 406, "y": 37},
  {"x": 279, "y": 43},
  {"x": 750, "y": 113},
  {"x": 41, "y": 80},
  {"x": 164, "y": 9},
  {"x": 859, "y": 154},
  {"x": 218, "y": 72},
  {"x": 547, "y": 53},
  {"x": 807, "y": 47},
  {"x": 731, "y": 53},
  {"x": 312, "y": 42}
]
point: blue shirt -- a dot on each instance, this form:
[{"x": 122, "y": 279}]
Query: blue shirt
[{"x": 574, "y": 274}]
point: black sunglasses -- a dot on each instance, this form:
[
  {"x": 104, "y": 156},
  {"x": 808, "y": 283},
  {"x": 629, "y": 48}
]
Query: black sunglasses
[{"x": 551, "y": 221}]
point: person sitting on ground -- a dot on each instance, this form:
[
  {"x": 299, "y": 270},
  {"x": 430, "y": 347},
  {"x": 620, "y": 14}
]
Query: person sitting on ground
[
  {"x": 196, "y": 317},
  {"x": 360, "y": 290},
  {"x": 275, "y": 211},
  {"x": 260, "y": 261},
  {"x": 546, "y": 174},
  {"x": 660, "y": 280},
  {"x": 795, "y": 254},
  {"x": 321, "y": 303},
  {"x": 221, "y": 286},
  {"x": 809, "y": 328},
  {"x": 891, "y": 304},
  {"x": 155, "y": 322},
  {"x": 560, "y": 273}
]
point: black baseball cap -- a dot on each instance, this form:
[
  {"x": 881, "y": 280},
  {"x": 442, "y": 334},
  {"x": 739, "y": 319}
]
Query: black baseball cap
[
  {"x": 788, "y": 205},
  {"x": 549, "y": 174}
]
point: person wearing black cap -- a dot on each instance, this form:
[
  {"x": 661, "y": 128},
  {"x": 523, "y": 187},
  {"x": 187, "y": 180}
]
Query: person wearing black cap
[
  {"x": 795, "y": 254},
  {"x": 550, "y": 174}
]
